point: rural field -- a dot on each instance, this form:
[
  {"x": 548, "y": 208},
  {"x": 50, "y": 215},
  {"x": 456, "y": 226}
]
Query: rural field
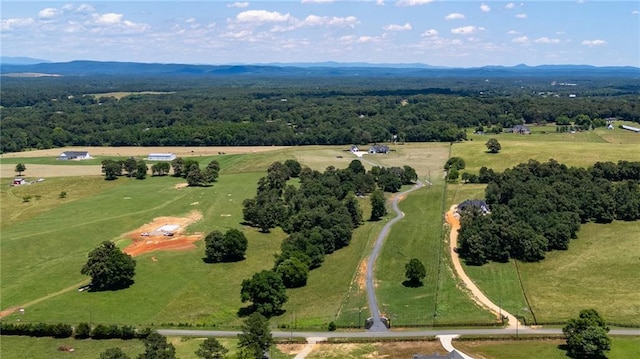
[
  {"x": 46, "y": 238},
  {"x": 600, "y": 268}
]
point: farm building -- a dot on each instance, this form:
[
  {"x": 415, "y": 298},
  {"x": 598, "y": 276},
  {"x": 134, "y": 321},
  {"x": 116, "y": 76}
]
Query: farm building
[
  {"x": 162, "y": 156},
  {"x": 74, "y": 155},
  {"x": 354, "y": 149},
  {"x": 18, "y": 182},
  {"x": 521, "y": 129},
  {"x": 630, "y": 128},
  {"x": 378, "y": 149}
]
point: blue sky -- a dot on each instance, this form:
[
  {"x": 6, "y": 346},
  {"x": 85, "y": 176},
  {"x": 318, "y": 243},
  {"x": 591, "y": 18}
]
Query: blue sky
[{"x": 442, "y": 33}]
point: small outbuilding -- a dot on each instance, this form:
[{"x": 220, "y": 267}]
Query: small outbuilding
[
  {"x": 74, "y": 155},
  {"x": 631, "y": 128},
  {"x": 18, "y": 182},
  {"x": 162, "y": 157}
]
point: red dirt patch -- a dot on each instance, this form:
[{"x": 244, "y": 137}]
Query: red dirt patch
[{"x": 155, "y": 240}]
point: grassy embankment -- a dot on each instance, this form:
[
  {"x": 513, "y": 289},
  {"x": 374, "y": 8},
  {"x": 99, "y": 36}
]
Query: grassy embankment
[{"x": 600, "y": 268}]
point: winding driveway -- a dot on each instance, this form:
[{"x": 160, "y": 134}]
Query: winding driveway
[
  {"x": 378, "y": 326},
  {"x": 476, "y": 293}
]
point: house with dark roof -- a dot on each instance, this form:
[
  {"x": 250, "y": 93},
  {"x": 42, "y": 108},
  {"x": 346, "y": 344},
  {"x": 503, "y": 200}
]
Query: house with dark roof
[
  {"x": 74, "y": 155},
  {"x": 451, "y": 355},
  {"x": 521, "y": 129},
  {"x": 474, "y": 203},
  {"x": 379, "y": 149}
]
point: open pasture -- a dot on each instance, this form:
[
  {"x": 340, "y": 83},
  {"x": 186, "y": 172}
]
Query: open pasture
[
  {"x": 600, "y": 268},
  {"x": 44, "y": 246},
  {"x": 121, "y": 94}
]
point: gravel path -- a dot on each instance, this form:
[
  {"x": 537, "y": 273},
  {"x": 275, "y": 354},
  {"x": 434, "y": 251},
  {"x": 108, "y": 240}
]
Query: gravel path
[{"x": 378, "y": 326}]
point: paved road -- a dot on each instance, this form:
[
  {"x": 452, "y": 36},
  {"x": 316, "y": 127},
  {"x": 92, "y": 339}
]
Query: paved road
[
  {"x": 378, "y": 326},
  {"x": 387, "y": 334}
]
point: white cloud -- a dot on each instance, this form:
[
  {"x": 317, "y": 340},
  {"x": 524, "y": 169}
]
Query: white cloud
[
  {"x": 635, "y": 12},
  {"x": 11, "y": 24},
  {"x": 47, "y": 13},
  {"x": 261, "y": 16},
  {"x": 380, "y": 2},
  {"x": 314, "y": 20},
  {"x": 513, "y": 32},
  {"x": 191, "y": 20},
  {"x": 592, "y": 43},
  {"x": 546, "y": 40},
  {"x": 412, "y": 2},
  {"x": 466, "y": 30},
  {"x": 394, "y": 27},
  {"x": 454, "y": 16},
  {"x": 521, "y": 40},
  {"x": 238, "y": 35},
  {"x": 521, "y": 16},
  {"x": 485, "y": 8},
  {"x": 109, "y": 18},
  {"x": 366, "y": 39},
  {"x": 238, "y": 5},
  {"x": 85, "y": 8},
  {"x": 510, "y": 6},
  {"x": 316, "y": 1},
  {"x": 430, "y": 33}
]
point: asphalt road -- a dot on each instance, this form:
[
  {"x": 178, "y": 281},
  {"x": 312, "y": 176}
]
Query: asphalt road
[{"x": 386, "y": 334}]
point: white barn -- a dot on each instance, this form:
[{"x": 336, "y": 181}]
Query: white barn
[
  {"x": 74, "y": 155},
  {"x": 161, "y": 157}
]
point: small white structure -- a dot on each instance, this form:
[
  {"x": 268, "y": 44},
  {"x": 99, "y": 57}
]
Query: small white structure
[
  {"x": 354, "y": 149},
  {"x": 74, "y": 155},
  {"x": 162, "y": 157},
  {"x": 19, "y": 182},
  {"x": 631, "y": 128}
]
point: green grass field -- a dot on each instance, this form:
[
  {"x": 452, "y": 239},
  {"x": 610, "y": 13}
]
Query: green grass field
[
  {"x": 47, "y": 348},
  {"x": 600, "y": 268},
  {"x": 621, "y": 348}
]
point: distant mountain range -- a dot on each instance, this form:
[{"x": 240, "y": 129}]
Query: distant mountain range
[{"x": 18, "y": 65}]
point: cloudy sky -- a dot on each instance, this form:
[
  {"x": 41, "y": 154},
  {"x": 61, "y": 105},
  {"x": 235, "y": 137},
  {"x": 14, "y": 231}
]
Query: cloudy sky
[{"x": 444, "y": 33}]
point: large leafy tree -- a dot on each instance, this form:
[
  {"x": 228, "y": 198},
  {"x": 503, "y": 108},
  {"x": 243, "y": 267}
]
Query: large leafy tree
[
  {"x": 20, "y": 167},
  {"x": 111, "y": 169},
  {"x": 266, "y": 291},
  {"x": 293, "y": 272},
  {"x": 415, "y": 272},
  {"x": 256, "y": 337},
  {"x": 211, "y": 349},
  {"x": 378, "y": 205},
  {"x": 587, "y": 335},
  {"x": 493, "y": 146},
  {"x": 109, "y": 267},
  {"x": 113, "y": 353},
  {"x": 228, "y": 247},
  {"x": 156, "y": 347},
  {"x": 160, "y": 168}
]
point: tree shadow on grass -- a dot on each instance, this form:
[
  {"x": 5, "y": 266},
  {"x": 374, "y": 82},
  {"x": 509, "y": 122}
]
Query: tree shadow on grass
[
  {"x": 412, "y": 284},
  {"x": 250, "y": 309}
]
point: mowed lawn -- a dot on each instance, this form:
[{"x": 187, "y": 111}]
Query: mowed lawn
[
  {"x": 420, "y": 235},
  {"x": 621, "y": 348},
  {"x": 599, "y": 270}
]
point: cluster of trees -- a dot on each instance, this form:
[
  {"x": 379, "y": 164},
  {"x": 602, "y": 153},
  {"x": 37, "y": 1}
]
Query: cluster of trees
[
  {"x": 453, "y": 167},
  {"x": 112, "y": 169},
  {"x": 46, "y": 113},
  {"x": 228, "y": 247},
  {"x": 109, "y": 268},
  {"x": 537, "y": 207},
  {"x": 188, "y": 169},
  {"x": 587, "y": 336},
  {"x": 81, "y": 331},
  {"x": 253, "y": 343},
  {"x": 319, "y": 217}
]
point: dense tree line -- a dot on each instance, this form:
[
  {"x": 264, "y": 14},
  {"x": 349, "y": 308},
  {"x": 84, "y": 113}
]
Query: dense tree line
[
  {"x": 47, "y": 113},
  {"x": 319, "y": 217},
  {"x": 538, "y": 207}
]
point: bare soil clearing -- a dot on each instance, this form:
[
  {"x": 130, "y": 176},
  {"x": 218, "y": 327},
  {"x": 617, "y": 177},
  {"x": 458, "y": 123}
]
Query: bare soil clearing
[{"x": 164, "y": 233}]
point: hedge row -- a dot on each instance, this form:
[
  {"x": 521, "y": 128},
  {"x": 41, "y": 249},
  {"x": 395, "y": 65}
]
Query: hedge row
[{"x": 82, "y": 331}]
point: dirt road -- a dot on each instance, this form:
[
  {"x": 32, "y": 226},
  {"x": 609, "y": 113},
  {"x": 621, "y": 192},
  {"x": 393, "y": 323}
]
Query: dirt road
[{"x": 477, "y": 295}]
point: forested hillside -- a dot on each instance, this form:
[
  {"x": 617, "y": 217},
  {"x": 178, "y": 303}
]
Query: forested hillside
[{"x": 60, "y": 111}]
